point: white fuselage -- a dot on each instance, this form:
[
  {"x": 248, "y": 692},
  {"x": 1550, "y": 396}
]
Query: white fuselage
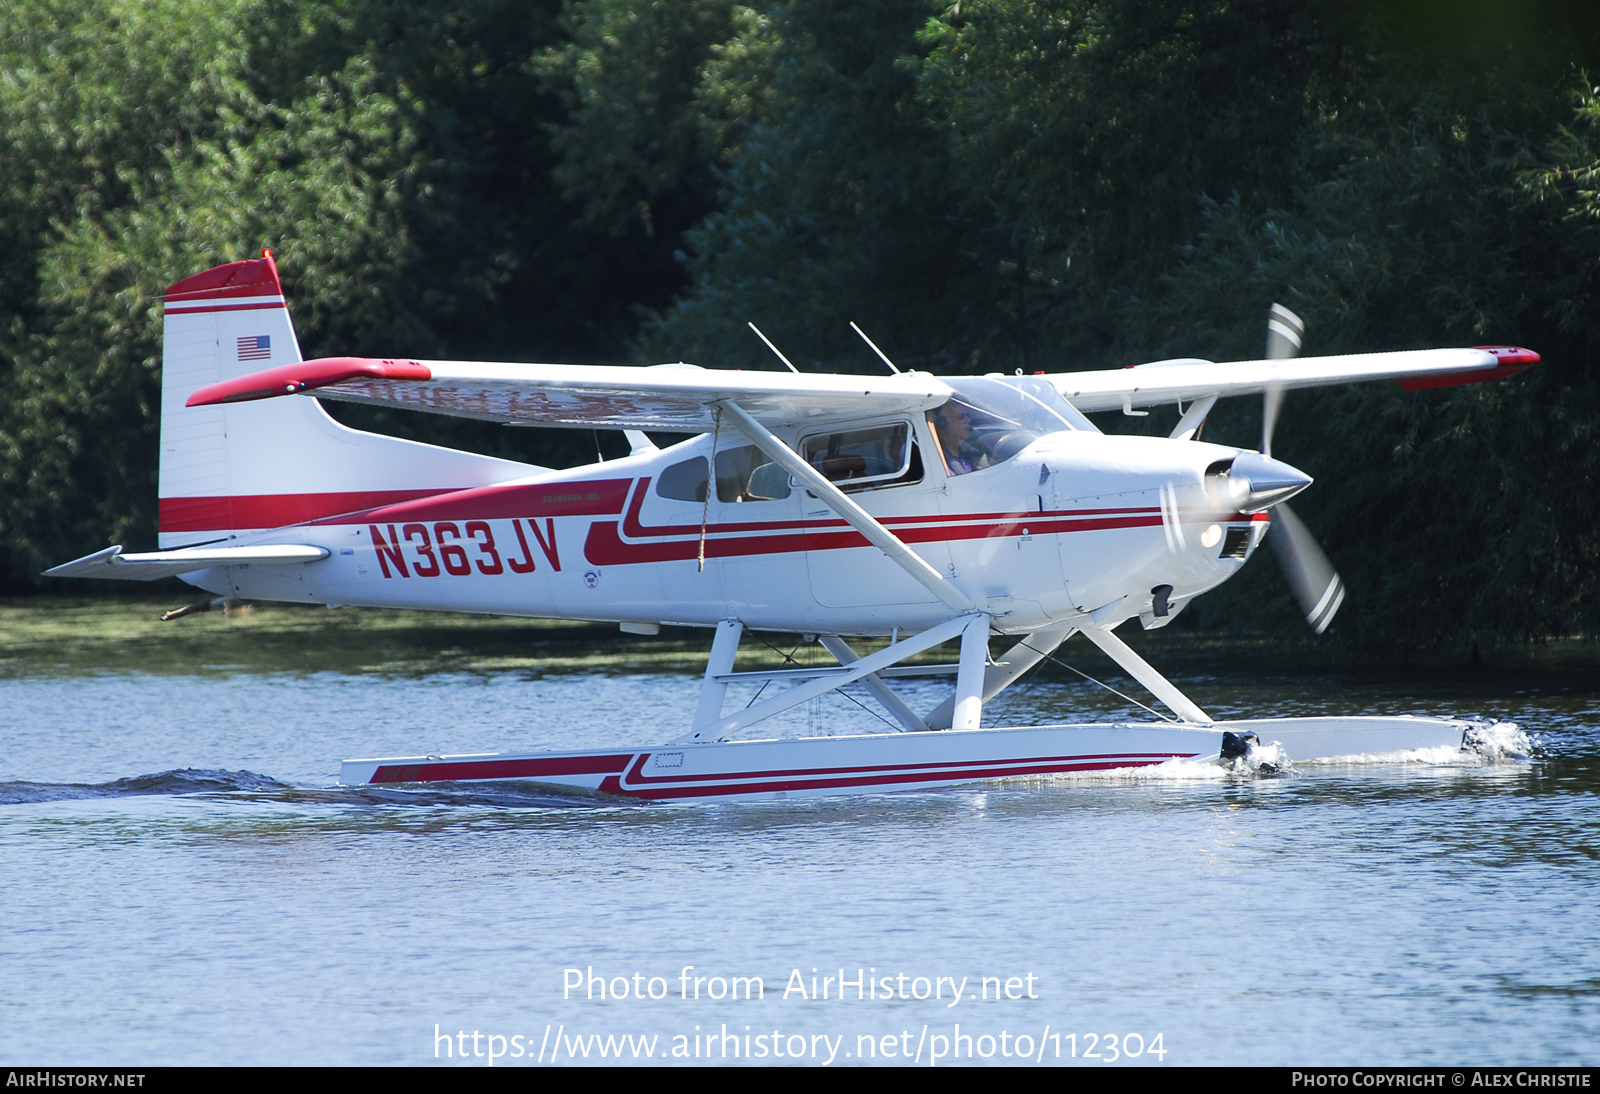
[{"x": 1076, "y": 524}]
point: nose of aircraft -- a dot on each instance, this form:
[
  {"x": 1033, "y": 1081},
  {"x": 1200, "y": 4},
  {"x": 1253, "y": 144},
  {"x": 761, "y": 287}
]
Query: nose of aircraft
[{"x": 1257, "y": 482}]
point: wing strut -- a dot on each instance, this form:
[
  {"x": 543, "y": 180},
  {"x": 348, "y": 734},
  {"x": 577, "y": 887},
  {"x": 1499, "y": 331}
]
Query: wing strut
[
  {"x": 1193, "y": 418},
  {"x": 857, "y": 517},
  {"x": 1138, "y": 668}
]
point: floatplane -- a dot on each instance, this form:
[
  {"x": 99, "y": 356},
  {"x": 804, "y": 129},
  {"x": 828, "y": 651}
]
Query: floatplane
[{"x": 905, "y": 506}]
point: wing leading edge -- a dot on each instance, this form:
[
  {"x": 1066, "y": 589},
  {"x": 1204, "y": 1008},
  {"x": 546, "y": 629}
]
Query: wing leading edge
[
  {"x": 1171, "y": 381},
  {"x": 671, "y": 398}
]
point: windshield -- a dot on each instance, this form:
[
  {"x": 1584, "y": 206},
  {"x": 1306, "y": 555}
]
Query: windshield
[{"x": 992, "y": 418}]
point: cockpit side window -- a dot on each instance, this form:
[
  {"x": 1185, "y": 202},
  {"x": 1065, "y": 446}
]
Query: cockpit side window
[
  {"x": 991, "y": 419},
  {"x": 866, "y": 457}
]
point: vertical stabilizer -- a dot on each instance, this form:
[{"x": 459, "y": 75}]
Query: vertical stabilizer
[{"x": 248, "y": 466}]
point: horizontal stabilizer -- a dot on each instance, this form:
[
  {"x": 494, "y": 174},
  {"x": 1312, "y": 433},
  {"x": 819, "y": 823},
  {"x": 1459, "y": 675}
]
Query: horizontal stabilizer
[{"x": 112, "y": 563}]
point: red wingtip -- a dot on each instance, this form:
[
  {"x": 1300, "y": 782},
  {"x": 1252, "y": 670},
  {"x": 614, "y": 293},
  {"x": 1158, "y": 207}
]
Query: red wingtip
[
  {"x": 305, "y": 376},
  {"x": 1509, "y": 360},
  {"x": 1512, "y": 355}
]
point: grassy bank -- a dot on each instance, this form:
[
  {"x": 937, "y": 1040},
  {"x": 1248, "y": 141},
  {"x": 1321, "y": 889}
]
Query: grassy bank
[
  {"x": 84, "y": 634},
  {"x": 44, "y": 635}
]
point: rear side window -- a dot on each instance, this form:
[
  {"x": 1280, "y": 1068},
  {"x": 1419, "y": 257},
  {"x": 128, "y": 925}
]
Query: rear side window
[
  {"x": 684, "y": 481},
  {"x": 743, "y": 474}
]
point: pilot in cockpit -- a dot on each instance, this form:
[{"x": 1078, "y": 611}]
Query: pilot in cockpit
[{"x": 952, "y": 422}]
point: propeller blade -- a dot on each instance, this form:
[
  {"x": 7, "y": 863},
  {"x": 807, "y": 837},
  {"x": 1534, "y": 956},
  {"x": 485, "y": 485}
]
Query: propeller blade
[
  {"x": 1271, "y": 403},
  {"x": 1316, "y": 585},
  {"x": 1285, "y": 333}
]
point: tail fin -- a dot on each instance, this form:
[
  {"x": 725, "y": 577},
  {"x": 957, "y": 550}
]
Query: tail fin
[{"x": 248, "y": 466}]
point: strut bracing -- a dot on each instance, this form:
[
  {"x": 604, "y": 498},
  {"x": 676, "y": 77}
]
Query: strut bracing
[{"x": 1138, "y": 668}]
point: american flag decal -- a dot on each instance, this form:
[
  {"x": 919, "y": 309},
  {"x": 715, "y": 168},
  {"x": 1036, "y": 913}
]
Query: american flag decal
[{"x": 257, "y": 347}]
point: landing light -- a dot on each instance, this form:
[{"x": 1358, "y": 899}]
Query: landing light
[{"x": 1211, "y": 536}]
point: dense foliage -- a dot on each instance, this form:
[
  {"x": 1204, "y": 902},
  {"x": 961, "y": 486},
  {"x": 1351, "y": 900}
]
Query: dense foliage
[{"x": 1035, "y": 184}]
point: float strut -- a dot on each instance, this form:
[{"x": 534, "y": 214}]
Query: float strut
[
  {"x": 723, "y": 648},
  {"x": 968, "y": 710},
  {"x": 1019, "y": 659}
]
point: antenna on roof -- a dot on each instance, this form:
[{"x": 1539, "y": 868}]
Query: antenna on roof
[
  {"x": 875, "y": 348},
  {"x": 772, "y": 347}
]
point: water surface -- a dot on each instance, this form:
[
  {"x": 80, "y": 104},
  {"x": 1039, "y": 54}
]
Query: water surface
[{"x": 186, "y": 883}]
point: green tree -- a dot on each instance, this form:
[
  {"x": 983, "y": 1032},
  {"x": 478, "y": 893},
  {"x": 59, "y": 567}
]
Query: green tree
[{"x": 835, "y": 206}]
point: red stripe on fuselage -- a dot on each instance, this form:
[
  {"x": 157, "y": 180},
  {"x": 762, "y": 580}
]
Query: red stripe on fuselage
[
  {"x": 599, "y": 497},
  {"x": 605, "y": 547},
  {"x": 603, "y": 498},
  {"x": 272, "y": 510},
  {"x": 605, "y": 544},
  {"x": 634, "y": 528}
]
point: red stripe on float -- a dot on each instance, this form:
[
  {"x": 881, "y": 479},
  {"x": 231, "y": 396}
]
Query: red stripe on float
[
  {"x": 721, "y": 784},
  {"x": 502, "y": 769},
  {"x": 901, "y": 781},
  {"x": 927, "y": 767}
]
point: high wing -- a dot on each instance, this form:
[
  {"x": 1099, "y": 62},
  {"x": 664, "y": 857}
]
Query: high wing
[
  {"x": 112, "y": 563},
  {"x": 1171, "y": 381},
  {"x": 683, "y": 398},
  {"x": 670, "y": 398}
]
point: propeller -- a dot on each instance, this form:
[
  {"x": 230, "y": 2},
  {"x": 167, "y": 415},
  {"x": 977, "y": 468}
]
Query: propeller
[{"x": 1316, "y": 585}]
